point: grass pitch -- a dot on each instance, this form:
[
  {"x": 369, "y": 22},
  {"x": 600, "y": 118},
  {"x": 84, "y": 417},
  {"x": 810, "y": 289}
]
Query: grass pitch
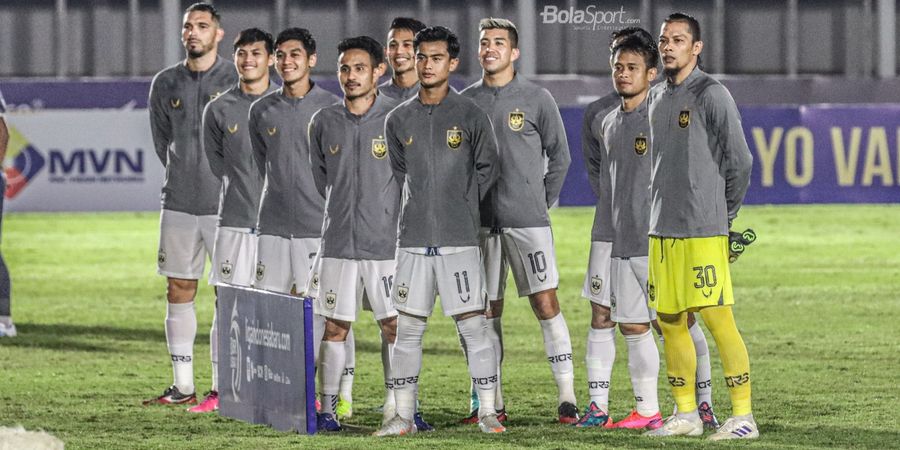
[{"x": 817, "y": 303}]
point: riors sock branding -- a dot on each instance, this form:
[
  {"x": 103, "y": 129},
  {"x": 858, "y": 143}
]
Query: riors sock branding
[
  {"x": 399, "y": 382},
  {"x": 484, "y": 381},
  {"x": 563, "y": 357},
  {"x": 181, "y": 358},
  {"x": 677, "y": 381},
  {"x": 599, "y": 384},
  {"x": 737, "y": 380}
]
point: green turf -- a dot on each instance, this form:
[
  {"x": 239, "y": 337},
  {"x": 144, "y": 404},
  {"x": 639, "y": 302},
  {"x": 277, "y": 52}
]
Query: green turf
[{"x": 817, "y": 302}]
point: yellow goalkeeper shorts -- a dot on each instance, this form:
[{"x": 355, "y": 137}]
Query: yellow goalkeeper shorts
[{"x": 687, "y": 274}]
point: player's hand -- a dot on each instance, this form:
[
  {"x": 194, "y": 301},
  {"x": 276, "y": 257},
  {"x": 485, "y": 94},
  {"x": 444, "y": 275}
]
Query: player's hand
[{"x": 737, "y": 242}]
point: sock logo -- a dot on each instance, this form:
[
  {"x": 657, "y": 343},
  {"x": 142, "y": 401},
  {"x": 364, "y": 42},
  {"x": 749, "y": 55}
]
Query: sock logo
[
  {"x": 563, "y": 357},
  {"x": 638, "y": 398},
  {"x": 484, "y": 381},
  {"x": 676, "y": 381},
  {"x": 599, "y": 384},
  {"x": 399, "y": 382},
  {"x": 348, "y": 370},
  {"x": 181, "y": 358},
  {"x": 704, "y": 384},
  {"x": 738, "y": 380}
]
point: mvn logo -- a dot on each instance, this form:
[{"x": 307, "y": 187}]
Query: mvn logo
[{"x": 27, "y": 162}]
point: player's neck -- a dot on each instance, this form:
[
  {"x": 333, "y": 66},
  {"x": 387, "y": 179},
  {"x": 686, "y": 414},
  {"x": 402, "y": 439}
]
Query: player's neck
[
  {"x": 678, "y": 77},
  {"x": 406, "y": 79},
  {"x": 499, "y": 79},
  {"x": 297, "y": 88},
  {"x": 201, "y": 63},
  {"x": 360, "y": 105},
  {"x": 434, "y": 95},
  {"x": 632, "y": 103},
  {"x": 255, "y": 87}
]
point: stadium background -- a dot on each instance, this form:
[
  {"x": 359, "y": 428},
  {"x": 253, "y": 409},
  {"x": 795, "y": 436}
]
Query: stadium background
[{"x": 806, "y": 74}]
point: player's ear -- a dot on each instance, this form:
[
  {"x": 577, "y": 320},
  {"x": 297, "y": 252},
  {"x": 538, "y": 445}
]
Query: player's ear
[
  {"x": 514, "y": 55},
  {"x": 271, "y": 60},
  {"x": 379, "y": 70},
  {"x": 312, "y": 60},
  {"x": 220, "y": 34},
  {"x": 454, "y": 62},
  {"x": 651, "y": 74},
  {"x": 697, "y": 48}
]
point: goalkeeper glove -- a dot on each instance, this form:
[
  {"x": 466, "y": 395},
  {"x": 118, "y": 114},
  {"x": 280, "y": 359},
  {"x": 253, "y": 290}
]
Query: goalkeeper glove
[{"x": 737, "y": 242}]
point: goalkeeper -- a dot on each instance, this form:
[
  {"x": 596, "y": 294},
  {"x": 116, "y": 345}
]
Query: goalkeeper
[{"x": 700, "y": 172}]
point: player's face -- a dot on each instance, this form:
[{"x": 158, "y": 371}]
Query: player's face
[
  {"x": 252, "y": 61},
  {"x": 677, "y": 47},
  {"x": 495, "y": 52},
  {"x": 434, "y": 64},
  {"x": 200, "y": 34},
  {"x": 630, "y": 74},
  {"x": 358, "y": 77},
  {"x": 292, "y": 61},
  {"x": 400, "y": 51}
]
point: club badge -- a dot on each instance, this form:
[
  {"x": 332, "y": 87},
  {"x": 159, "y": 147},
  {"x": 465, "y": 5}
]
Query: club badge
[
  {"x": 402, "y": 294},
  {"x": 315, "y": 281},
  {"x": 596, "y": 285},
  {"x": 379, "y": 147},
  {"x": 260, "y": 271},
  {"x": 330, "y": 300},
  {"x": 454, "y": 138},
  {"x": 640, "y": 145},
  {"x": 651, "y": 292},
  {"x": 161, "y": 257},
  {"x": 227, "y": 268},
  {"x": 516, "y": 120},
  {"x": 684, "y": 118}
]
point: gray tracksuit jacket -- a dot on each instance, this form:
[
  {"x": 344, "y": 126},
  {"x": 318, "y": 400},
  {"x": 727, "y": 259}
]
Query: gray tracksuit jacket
[
  {"x": 598, "y": 166},
  {"x": 534, "y": 153},
  {"x": 625, "y": 145},
  {"x": 290, "y": 207},
  {"x": 700, "y": 159},
  {"x": 177, "y": 99},
  {"x": 396, "y": 92},
  {"x": 226, "y": 142},
  {"x": 447, "y": 155},
  {"x": 351, "y": 170}
]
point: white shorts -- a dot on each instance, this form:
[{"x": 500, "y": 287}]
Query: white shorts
[
  {"x": 530, "y": 254},
  {"x": 456, "y": 277},
  {"x": 234, "y": 257},
  {"x": 618, "y": 284},
  {"x": 283, "y": 264},
  {"x": 183, "y": 238},
  {"x": 345, "y": 283}
]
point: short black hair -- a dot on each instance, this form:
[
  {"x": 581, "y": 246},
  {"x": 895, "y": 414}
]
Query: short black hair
[
  {"x": 640, "y": 45},
  {"x": 253, "y": 35},
  {"x": 693, "y": 25},
  {"x": 492, "y": 23},
  {"x": 297, "y": 34},
  {"x": 366, "y": 44},
  {"x": 438, "y": 33},
  {"x": 625, "y": 32},
  {"x": 205, "y": 7},
  {"x": 407, "y": 23}
]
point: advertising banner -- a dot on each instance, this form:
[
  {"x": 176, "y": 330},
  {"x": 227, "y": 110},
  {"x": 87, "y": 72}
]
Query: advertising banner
[
  {"x": 82, "y": 160},
  {"x": 266, "y": 368}
]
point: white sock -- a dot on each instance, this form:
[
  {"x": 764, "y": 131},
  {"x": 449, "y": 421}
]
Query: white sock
[
  {"x": 643, "y": 366},
  {"x": 181, "y": 329},
  {"x": 318, "y": 335},
  {"x": 558, "y": 346},
  {"x": 704, "y": 371},
  {"x": 349, "y": 367},
  {"x": 601, "y": 354},
  {"x": 495, "y": 336},
  {"x": 482, "y": 361},
  {"x": 333, "y": 358},
  {"x": 390, "y": 404},
  {"x": 406, "y": 363},
  {"x": 214, "y": 352}
]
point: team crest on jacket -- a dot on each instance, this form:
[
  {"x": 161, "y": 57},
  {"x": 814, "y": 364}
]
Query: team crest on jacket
[
  {"x": 684, "y": 118},
  {"x": 454, "y": 138},
  {"x": 233, "y": 128},
  {"x": 379, "y": 147},
  {"x": 516, "y": 120},
  {"x": 640, "y": 145},
  {"x": 596, "y": 285},
  {"x": 334, "y": 148},
  {"x": 175, "y": 102},
  {"x": 330, "y": 300},
  {"x": 260, "y": 272},
  {"x": 271, "y": 131}
]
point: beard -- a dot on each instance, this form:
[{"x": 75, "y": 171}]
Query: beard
[{"x": 199, "y": 52}]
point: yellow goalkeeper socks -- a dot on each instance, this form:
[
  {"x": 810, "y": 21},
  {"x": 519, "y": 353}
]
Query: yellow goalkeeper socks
[
  {"x": 681, "y": 360},
  {"x": 735, "y": 361}
]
